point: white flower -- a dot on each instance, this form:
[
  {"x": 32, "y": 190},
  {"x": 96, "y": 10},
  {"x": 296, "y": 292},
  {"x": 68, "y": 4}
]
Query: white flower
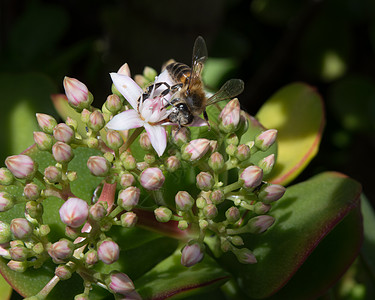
[{"x": 149, "y": 113}]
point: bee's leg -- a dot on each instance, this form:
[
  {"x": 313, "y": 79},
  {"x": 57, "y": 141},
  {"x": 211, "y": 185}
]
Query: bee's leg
[
  {"x": 206, "y": 119},
  {"x": 176, "y": 87},
  {"x": 171, "y": 103},
  {"x": 151, "y": 88}
]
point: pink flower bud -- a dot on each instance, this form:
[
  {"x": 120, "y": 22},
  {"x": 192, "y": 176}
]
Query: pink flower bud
[
  {"x": 265, "y": 139},
  {"x": 62, "y": 152},
  {"x": 163, "y": 214},
  {"x": 96, "y": 121},
  {"x": 172, "y": 163},
  {"x": 63, "y": 133},
  {"x": 77, "y": 93},
  {"x": 120, "y": 283},
  {"x": 129, "y": 219},
  {"x": 180, "y": 136},
  {"x": 21, "y": 166},
  {"x": 245, "y": 256},
  {"x": 113, "y": 103},
  {"x": 64, "y": 272},
  {"x": 231, "y": 150},
  {"x": 217, "y": 197},
  {"x": 216, "y": 161},
  {"x": 52, "y": 174},
  {"x": 31, "y": 191},
  {"x": 192, "y": 254},
  {"x": 196, "y": 149},
  {"x": 232, "y": 139},
  {"x": 260, "y": 208},
  {"x": 5, "y": 233},
  {"x": 85, "y": 115},
  {"x": 6, "y": 201},
  {"x": 6, "y": 177},
  {"x": 19, "y": 253},
  {"x": 46, "y": 122},
  {"x": 184, "y": 201},
  {"x": 232, "y": 214},
  {"x": 267, "y": 163},
  {"x": 126, "y": 180},
  {"x": 74, "y": 212},
  {"x": 243, "y": 152},
  {"x": 21, "y": 228},
  {"x": 124, "y": 70},
  {"x": 145, "y": 142},
  {"x": 149, "y": 159},
  {"x": 129, "y": 197},
  {"x": 205, "y": 181},
  {"x": 114, "y": 140},
  {"x": 271, "y": 192},
  {"x": 210, "y": 211},
  {"x": 98, "y": 165},
  {"x": 98, "y": 211},
  {"x": 129, "y": 162},
  {"x": 152, "y": 179},
  {"x": 91, "y": 257},
  {"x": 230, "y": 116},
  {"x": 260, "y": 224},
  {"x": 61, "y": 250},
  {"x": 18, "y": 266},
  {"x": 142, "y": 166},
  {"x": 252, "y": 176},
  {"x": 108, "y": 252},
  {"x": 43, "y": 141},
  {"x": 34, "y": 209}
]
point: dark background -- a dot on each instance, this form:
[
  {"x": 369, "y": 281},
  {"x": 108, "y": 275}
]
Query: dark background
[{"x": 269, "y": 43}]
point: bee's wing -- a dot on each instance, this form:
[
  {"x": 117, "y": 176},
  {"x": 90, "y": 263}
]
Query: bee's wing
[
  {"x": 199, "y": 57},
  {"x": 229, "y": 90}
]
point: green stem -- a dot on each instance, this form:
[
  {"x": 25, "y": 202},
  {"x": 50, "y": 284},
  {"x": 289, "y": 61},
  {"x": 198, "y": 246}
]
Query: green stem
[
  {"x": 232, "y": 187},
  {"x": 132, "y": 138},
  {"x": 48, "y": 287}
]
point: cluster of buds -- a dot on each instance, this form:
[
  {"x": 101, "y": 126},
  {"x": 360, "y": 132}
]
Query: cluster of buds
[{"x": 136, "y": 164}]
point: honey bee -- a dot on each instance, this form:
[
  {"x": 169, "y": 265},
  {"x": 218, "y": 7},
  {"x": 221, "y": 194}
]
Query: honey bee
[{"x": 188, "y": 99}]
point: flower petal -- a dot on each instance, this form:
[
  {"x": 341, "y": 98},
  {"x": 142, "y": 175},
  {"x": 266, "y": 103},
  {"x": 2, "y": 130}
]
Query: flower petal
[
  {"x": 158, "y": 137},
  {"x": 126, "y": 120},
  {"x": 127, "y": 87},
  {"x": 198, "y": 122}
]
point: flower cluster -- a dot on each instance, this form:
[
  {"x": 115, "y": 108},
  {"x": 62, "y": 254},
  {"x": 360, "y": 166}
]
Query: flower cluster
[{"x": 209, "y": 185}]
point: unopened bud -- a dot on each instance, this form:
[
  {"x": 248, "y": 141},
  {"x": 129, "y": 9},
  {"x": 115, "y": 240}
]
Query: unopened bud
[
  {"x": 252, "y": 176},
  {"x": 6, "y": 201},
  {"x": 180, "y": 136},
  {"x": 85, "y": 116},
  {"x": 271, "y": 192},
  {"x": 237, "y": 240},
  {"x": 77, "y": 93},
  {"x": 216, "y": 161},
  {"x": 98, "y": 211},
  {"x": 64, "y": 272},
  {"x": 18, "y": 266},
  {"x": 21, "y": 228},
  {"x": 232, "y": 139},
  {"x": 184, "y": 201},
  {"x": 120, "y": 283},
  {"x": 245, "y": 256},
  {"x": 260, "y": 224},
  {"x": 172, "y": 163},
  {"x": 260, "y": 208},
  {"x": 91, "y": 257},
  {"x": 265, "y": 139},
  {"x": 126, "y": 180},
  {"x": 243, "y": 152},
  {"x": 192, "y": 254},
  {"x": 210, "y": 211},
  {"x": 96, "y": 121},
  {"x": 267, "y": 163},
  {"x": 34, "y": 209},
  {"x": 129, "y": 219},
  {"x": 144, "y": 141},
  {"x": 129, "y": 162},
  {"x": 21, "y": 166},
  {"x": 183, "y": 225},
  {"x": 152, "y": 179},
  {"x": 63, "y": 133},
  {"x": 200, "y": 202},
  {"x": 19, "y": 253},
  {"x": 6, "y": 177},
  {"x": 196, "y": 149},
  {"x": 74, "y": 212},
  {"x": 62, "y": 152},
  {"x": 31, "y": 191},
  {"x": 46, "y": 122},
  {"x": 149, "y": 159},
  {"x": 113, "y": 103},
  {"x": 98, "y": 165},
  {"x": 163, "y": 214},
  {"x": 205, "y": 181},
  {"x": 231, "y": 150},
  {"x": 52, "y": 174},
  {"x": 5, "y": 233},
  {"x": 114, "y": 140},
  {"x": 230, "y": 116},
  {"x": 44, "y": 230},
  {"x": 129, "y": 197},
  {"x": 108, "y": 252},
  {"x": 43, "y": 140},
  {"x": 217, "y": 197},
  {"x": 61, "y": 250}
]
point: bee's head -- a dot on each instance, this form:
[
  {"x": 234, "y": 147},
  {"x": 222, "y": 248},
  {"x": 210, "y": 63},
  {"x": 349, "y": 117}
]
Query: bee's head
[{"x": 181, "y": 114}]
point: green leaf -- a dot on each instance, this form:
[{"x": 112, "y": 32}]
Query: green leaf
[
  {"x": 306, "y": 214},
  {"x": 22, "y": 95},
  {"x": 5, "y": 289},
  {"x": 296, "y": 111},
  {"x": 169, "y": 279},
  {"x": 368, "y": 248}
]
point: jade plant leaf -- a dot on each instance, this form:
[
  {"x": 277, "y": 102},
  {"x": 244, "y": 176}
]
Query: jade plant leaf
[
  {"x": 323, "y": 209},
  {"x": 169, "y": 279},
  {"x": 296, "y": 111},
  {"x": 5, "y": 289}
]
